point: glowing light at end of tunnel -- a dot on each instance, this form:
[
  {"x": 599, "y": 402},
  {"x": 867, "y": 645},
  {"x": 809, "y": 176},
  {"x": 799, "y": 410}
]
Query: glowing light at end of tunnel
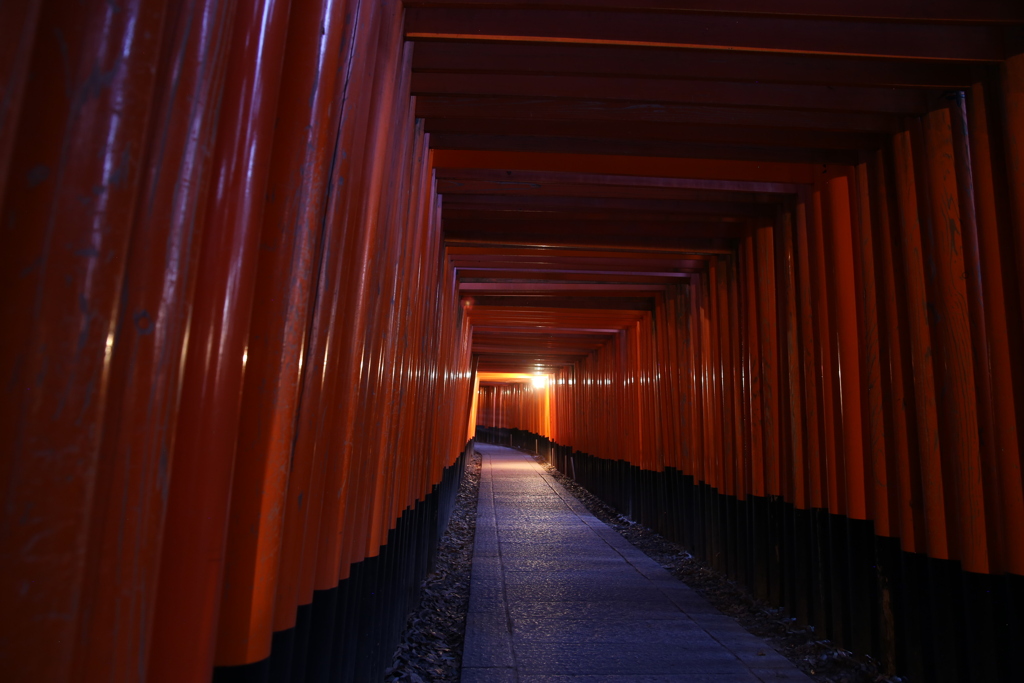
[{"x": 539, "y": 381}]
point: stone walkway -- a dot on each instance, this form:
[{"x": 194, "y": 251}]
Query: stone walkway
[{"x": 559, "y": 597}]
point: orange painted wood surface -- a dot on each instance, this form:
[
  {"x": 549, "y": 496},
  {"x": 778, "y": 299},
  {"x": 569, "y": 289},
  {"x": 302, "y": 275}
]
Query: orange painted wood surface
[{"x": 73, "y": 175}]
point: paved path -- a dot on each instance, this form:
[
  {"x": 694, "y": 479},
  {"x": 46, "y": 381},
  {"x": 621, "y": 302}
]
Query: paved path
[{"x": 559, "y": 597}]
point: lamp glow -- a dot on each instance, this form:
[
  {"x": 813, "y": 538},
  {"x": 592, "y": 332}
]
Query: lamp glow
[{"x": 539, "y": 381}]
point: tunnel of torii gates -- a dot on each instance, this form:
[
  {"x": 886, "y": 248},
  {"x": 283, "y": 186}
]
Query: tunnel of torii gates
[{"x": 269, "y": 268}]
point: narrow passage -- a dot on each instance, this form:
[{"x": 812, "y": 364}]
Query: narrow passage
[{"x": 558, "y": 596}]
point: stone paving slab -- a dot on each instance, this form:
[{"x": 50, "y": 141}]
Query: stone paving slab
[{"x": 557, "y": 596}]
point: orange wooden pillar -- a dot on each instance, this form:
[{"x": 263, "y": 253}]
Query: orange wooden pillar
[
  {"x": 955, "y": 382},
  {"x": 808, "y": 353},
  {"x": 737, "y": 455},
  {"x": 142, "y": 406},
  {"x": 807, "y": 222},
  {"x": 68, "y": 204},
  {"x": 1013, "y": 141},
  {"x": 936, "y": 490},
  {"x": 385, "y": 360},
  {"x": 21, "y": 20},
  {"x": 193, "y": 555},
  {"x": 823, "y": 291},
  {"x": 702, "y": 377},
  {"x": 412, "y": 409},
  {"x": 905, "y": 512},
  {"x": 765, "y": 281},
  {"x": 364, "y": 435},
  {"x": 680, "y": 412},
  {"x": 420, "y": 336},
  {"x": 1002, "y": 320},
  {"x": 880, "y": 490},
  {"x": 829, "y": 534},
  {"x": 900, "y": 589},
  {"x": 759, "y": 419},
  {"x": 728, "y": 374},
  {"x": 300, "y": 166},
  {"x": 753, "y": 405},
  {"x": 373, "y": 432},
  {"x": 317, "y": 193},
  {"x": 983, "y": 608},
  {"x": 658, "y": 356},
  {"x": 878, "y": 545},
  {"x": 358, "y": 184},
  {"x": 764, "y": 243},
  {"x": 406, "y": 453},
  {"x": 852, "y": 537},
  {"x": 839, "y": 261},
  {"x": 673, "y": 373},
  {"x": 404, "y": 317},
  {"x": 313, "y": 523},
  {"x": 1010, "y": 460},
  {"x": 793, "y": 424},
  {"x": 344, "y": 534}
]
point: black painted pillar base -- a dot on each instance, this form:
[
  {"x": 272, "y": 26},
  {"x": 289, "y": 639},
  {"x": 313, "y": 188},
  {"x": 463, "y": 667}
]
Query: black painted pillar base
[{"x": 348, "y": 633}]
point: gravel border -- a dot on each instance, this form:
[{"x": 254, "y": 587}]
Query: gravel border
[
  {"x": 820, "y": 659},
  {"x": 431, "y": 647}
]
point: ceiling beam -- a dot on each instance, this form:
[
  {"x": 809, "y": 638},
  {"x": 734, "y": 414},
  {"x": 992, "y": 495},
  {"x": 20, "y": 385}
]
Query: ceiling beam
[
  {"x": 555, "y": 109},
  {"x": 623, "y": 303},
  {"x": 572, "y": 218},
  {"x": 633, "y": 130},
  {"x": 558, "y": 264},
  {"x": 702, "y": 169},
  {"x": 601, "y": 60},
  {"x": 535, "y": 282},
  {"x": 460, "y": 189},
  {"x": 695, "y": 237},
  {"x": 545, "y": 204},
  {"x": 642, "y": 148},
  {"x": 755, "y": 33},
  {"x": 689, "y": 246},
  {"x": 523, "y": 178},
  {"x": 995, "y": 11},
  {"x": 701, "y": 92}
]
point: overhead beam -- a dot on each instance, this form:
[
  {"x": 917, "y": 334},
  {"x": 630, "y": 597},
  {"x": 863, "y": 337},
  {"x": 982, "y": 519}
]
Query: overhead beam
[
  {"x": 600, "y": 60},
  {"x": 703, "y": 92},
  {"x": 580, "y": 319},
  {"x": 576, "y": 347},
  {"x": 523, "y": 362},
  {"x": 989, "y": 11},
  {"x": 608, "y": 182},
  {"x": 461, "y": 189},
  {"x": 613, "y": 289},
  {"x": 756, "y": 33},
  {"x": 536, "y": 282},
  {"x": 688, "y": 246},
  {"x": 556, "y": 109},
  {"x": 581, "y": 229},
  {"x": 553, "y": 331},
  {"x": 642, "y": 148},
  {"x": 705, "y": 169},
  {"x": 570, "y": 219},
  {"x": 544, "y": 204},
  {"x": 675, "y": 271},
  {"x": 506, "y": 273},
  {"x": 636, "y": 130},
  {"x": 624, "y": 303}
]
